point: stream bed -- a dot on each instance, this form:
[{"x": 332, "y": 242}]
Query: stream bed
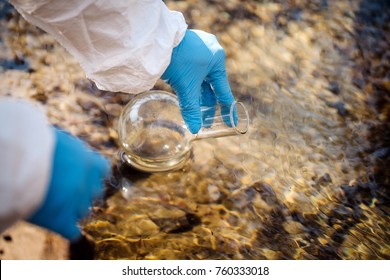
[{"x": 310, "y": 180}]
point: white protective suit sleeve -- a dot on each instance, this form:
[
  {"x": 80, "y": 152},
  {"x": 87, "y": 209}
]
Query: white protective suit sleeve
[
  {"x": 26, "y": 151},
  {"x": 122, "y": 45}
]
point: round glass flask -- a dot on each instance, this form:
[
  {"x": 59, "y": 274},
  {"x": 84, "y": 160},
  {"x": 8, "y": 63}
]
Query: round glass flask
[{"x": 154, "y": 137}]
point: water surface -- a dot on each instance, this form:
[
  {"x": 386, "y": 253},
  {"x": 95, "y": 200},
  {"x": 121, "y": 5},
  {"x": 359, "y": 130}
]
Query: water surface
[{"x": 309, "y": 180}]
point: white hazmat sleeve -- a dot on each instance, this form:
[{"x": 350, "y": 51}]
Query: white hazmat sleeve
[
  {"x": 26, "y": 151},
  {"x": 122, "y": 45}
]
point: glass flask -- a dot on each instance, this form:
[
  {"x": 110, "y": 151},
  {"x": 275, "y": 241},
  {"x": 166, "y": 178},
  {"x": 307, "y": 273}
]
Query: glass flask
[{"x": 154, "y": 137}]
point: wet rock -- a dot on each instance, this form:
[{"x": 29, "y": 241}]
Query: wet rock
[
  {"x": 324, "y": 180},
  {"x": 293, "y": 227},
  {"x": 41, "y": 97},
  {"x": 266, "y": 192},
  {"x": 381, "y": 153},
  {"x": 340, "y": 107},
  {"x": 334, "y": 87},
  {"x": 179, "y": 224},
  {"x": 17, "y": 63}
]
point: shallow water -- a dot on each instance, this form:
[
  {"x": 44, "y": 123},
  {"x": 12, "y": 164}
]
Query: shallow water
[{"x": 306, "y": 182}]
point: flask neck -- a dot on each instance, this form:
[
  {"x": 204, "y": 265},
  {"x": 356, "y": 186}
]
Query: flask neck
[{"x": 225, "y": 121}]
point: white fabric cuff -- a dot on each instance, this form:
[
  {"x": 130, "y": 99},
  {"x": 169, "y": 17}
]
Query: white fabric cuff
[{"x": 26, "y": 149}]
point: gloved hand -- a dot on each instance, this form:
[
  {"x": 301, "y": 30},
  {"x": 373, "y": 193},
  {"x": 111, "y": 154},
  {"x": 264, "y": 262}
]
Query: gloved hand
[
  {"x": 77, "y": 175},
  {"x": 197, "y": 74}
]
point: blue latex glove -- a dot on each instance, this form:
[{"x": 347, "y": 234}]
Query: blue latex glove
[
  {"x": 77, "y": 178},
  {"x": 197, "y": 74}
]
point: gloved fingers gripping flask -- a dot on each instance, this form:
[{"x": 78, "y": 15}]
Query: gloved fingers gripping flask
[{"x": 154, "y": 137}]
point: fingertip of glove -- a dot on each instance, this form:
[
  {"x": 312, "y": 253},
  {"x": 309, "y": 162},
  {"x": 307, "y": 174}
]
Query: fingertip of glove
[
  {"x": 193, "y": 127},
  {"x": 192, "y": 119}
]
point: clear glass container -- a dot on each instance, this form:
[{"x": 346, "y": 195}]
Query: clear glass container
[{"x": 154, "y": 137}]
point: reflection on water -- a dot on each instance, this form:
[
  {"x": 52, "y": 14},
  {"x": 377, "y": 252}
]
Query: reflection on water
[{"x": 310, "y": 178}]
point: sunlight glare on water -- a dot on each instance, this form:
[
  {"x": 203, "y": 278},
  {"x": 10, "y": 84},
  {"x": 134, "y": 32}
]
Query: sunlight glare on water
[
  {"x": 303, "y": 183},
  {"x": 288, "y": 188}
]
